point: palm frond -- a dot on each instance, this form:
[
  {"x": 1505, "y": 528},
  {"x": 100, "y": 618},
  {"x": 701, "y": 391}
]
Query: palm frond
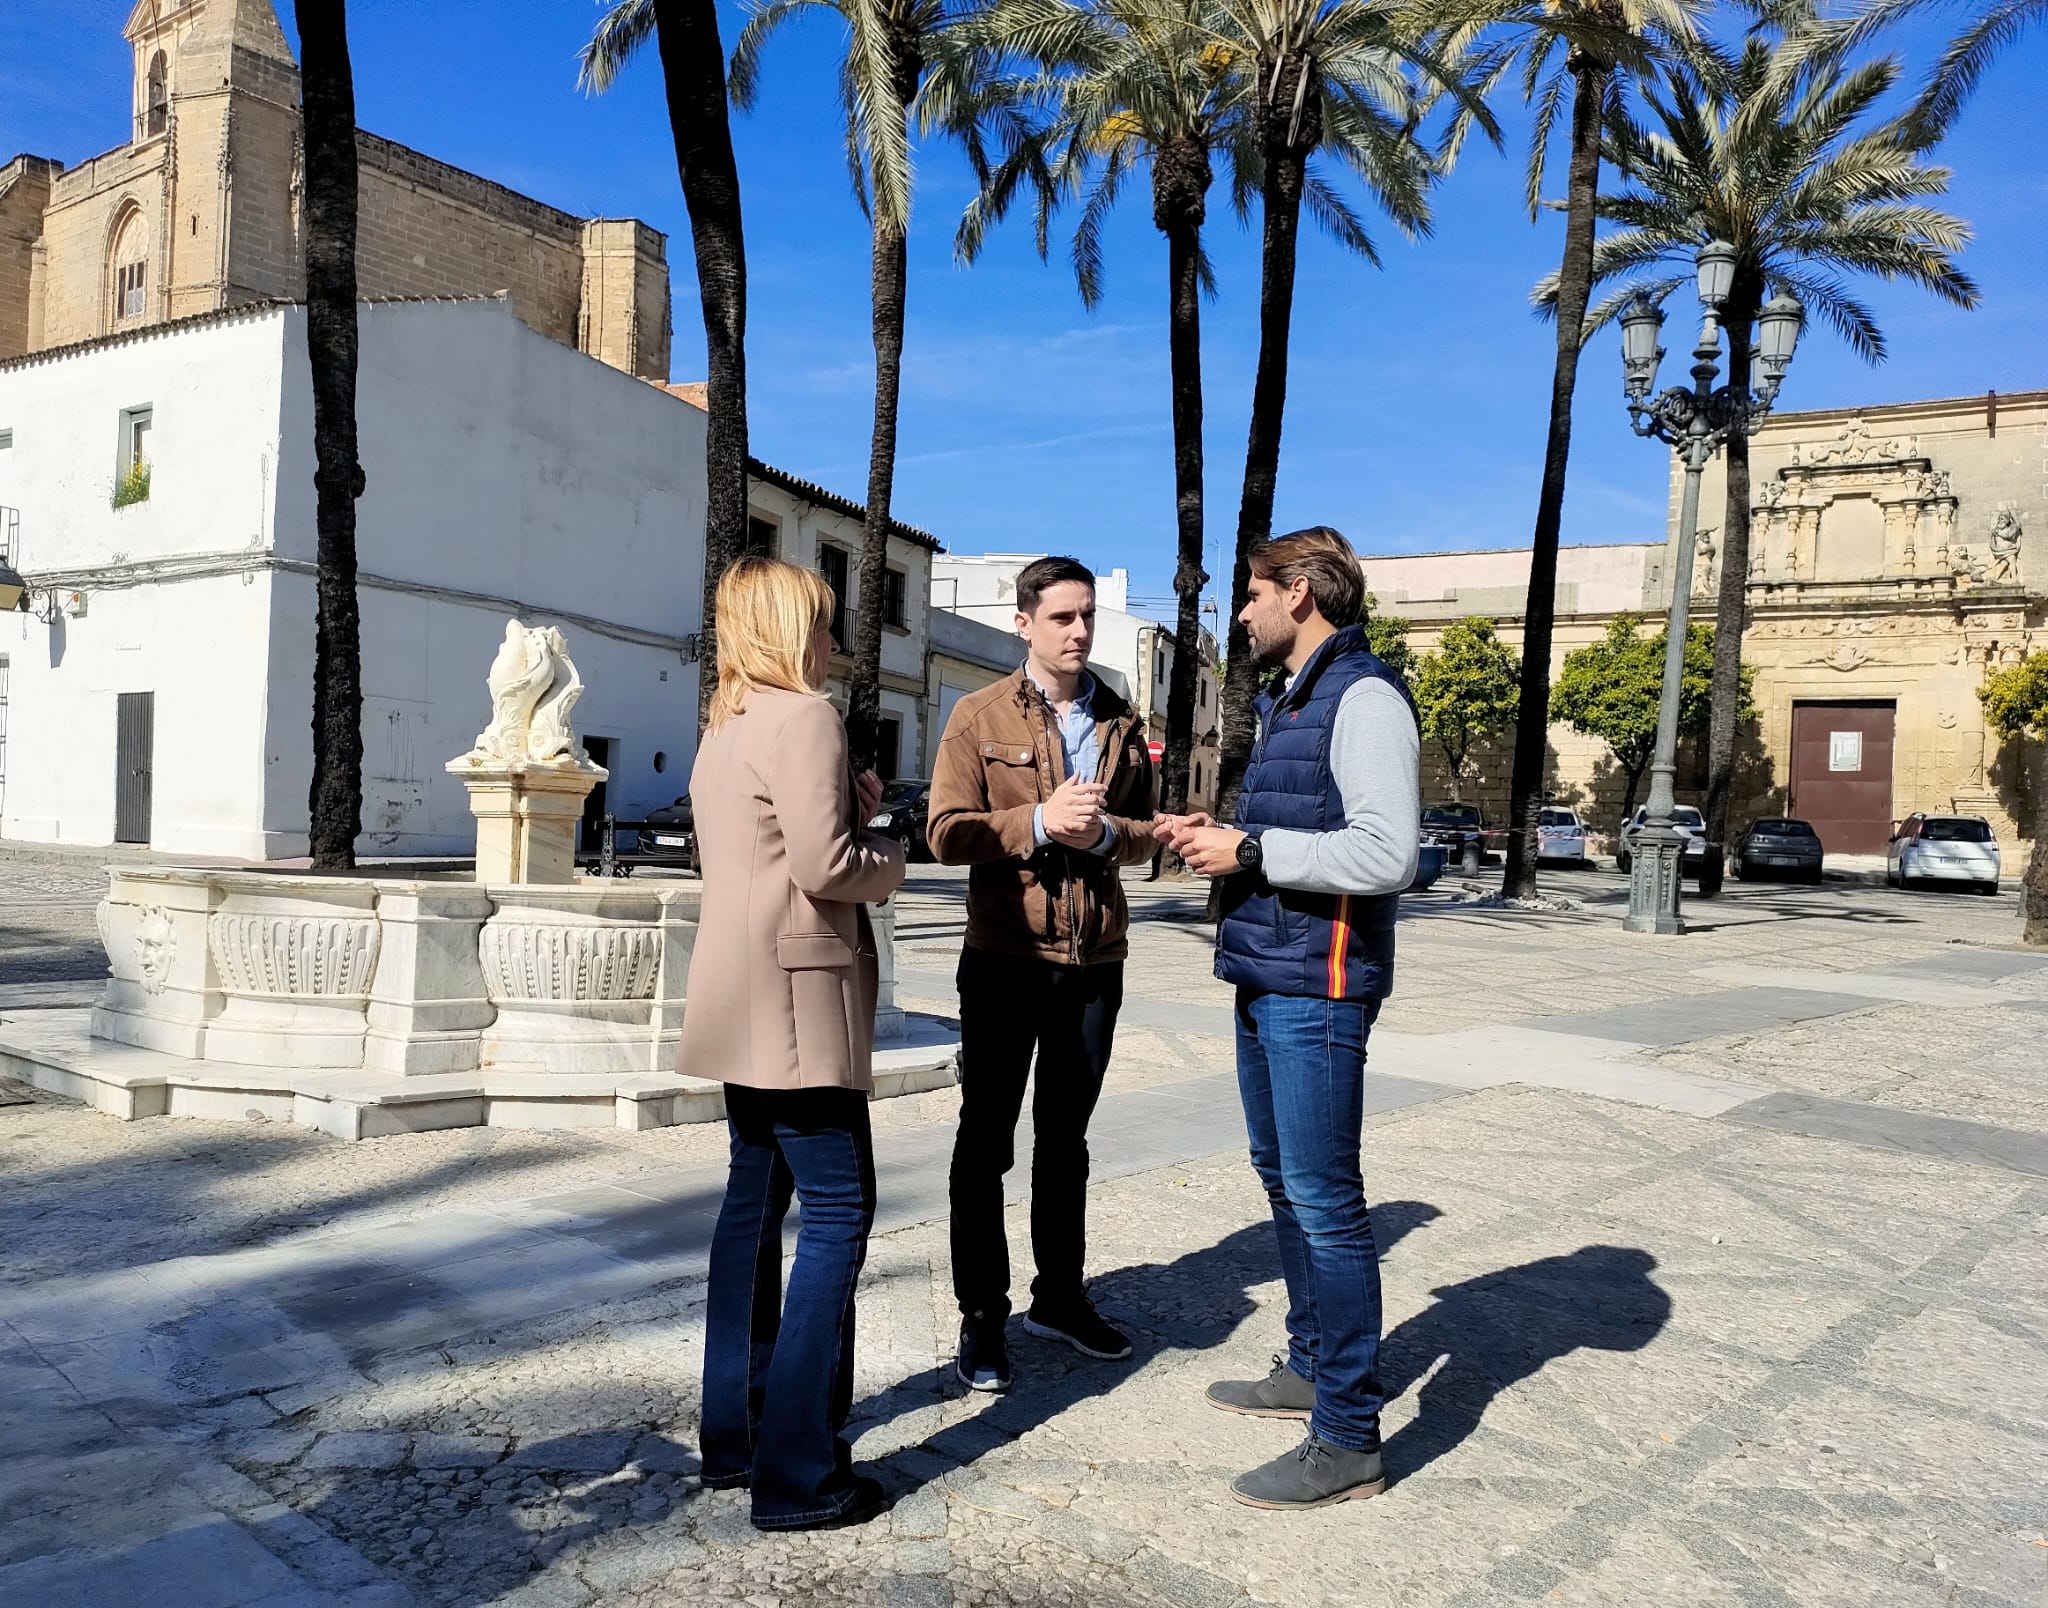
[{"x": 619, "y": 34}]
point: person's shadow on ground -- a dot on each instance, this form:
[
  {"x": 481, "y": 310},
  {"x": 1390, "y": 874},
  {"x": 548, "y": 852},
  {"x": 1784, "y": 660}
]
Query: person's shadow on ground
[
  {"x": 1500, "y": 1328},
  {"x": 1194, "y": 1303}
]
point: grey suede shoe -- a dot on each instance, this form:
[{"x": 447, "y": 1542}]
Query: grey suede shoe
[
  {"x": 1315, "y": 1474},
  {"x": 1283, "y": 1393}
]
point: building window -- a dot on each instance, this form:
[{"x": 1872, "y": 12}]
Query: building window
[
  {"x": 128, "y": 290},
  {"x": 889, "y": 749},
  {"x": 1158, "y": 664},
  {"x": 832, "y": 565},
  {"x": 1203, "y": 687},
  {"x": 157, "y": 113},
  {"x": 896, "y": 599},
  {"x": 127, "y": 265},
  {"x": 764, "y": 536},
  {"x": 131, "y": 463}
]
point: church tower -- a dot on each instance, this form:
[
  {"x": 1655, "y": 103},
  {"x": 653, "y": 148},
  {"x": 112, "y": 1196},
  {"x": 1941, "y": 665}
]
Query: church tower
[{"x": 215, "y": 80}]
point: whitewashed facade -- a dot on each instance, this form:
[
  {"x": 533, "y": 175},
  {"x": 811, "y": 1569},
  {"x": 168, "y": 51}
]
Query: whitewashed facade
[{"x": 506, "y": 475}]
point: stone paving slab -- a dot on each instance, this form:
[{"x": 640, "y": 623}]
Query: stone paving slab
[
  {"x": 1857, "y": 1122},
  {"x": 1678, "y": 1021}
]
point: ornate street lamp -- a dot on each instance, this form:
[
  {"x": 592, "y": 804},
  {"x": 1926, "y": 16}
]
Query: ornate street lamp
[
  {"x": 1695, "y": 422},
  {"x": 13, "y": 589}
]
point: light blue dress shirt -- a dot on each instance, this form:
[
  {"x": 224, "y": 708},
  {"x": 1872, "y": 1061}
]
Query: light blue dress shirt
[{"x": 1078, "y": 742}]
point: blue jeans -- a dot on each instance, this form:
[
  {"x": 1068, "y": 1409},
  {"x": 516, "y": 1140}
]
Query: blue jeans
[
  {"x": 1301, "y": 1072},
  {"x": 778, "y": 1373}
]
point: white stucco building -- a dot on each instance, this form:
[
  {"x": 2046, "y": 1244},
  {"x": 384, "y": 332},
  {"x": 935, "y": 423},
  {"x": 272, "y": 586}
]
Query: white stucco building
[{"x": 160, "y": 691}]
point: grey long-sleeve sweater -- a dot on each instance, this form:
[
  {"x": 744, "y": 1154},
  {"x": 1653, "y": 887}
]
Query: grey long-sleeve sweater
[{"x": 1376, "y": 757}]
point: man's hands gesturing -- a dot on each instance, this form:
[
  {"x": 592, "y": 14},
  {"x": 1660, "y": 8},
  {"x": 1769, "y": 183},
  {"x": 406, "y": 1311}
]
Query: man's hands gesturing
[
  {"x": 1074, "y": 813},
  {"x": 1204, "y": 847}
]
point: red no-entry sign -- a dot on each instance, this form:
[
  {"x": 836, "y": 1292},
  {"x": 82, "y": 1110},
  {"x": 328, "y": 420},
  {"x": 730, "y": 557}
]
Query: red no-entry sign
[{"x": 1157, "y": 751}]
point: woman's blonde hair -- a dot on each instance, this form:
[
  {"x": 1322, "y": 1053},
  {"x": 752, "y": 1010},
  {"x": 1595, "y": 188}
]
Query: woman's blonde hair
[{"x": 767, "y": 611}]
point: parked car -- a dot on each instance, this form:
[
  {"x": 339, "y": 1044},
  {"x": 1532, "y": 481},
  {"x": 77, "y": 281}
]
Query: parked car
[
  {"x": 905, "y": 814},
  {"x": 1560, "y": 834},
  {"x": 1701, "y": 860},
  {"x": 1943, "y": 848},
  {"x": 1460, "y": 830},
  {"x": 670, "y": 837},
  {"x": 1774, "y": 845}
]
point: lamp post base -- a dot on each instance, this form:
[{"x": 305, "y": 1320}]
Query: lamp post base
[{"x": 1656, "y": 864}]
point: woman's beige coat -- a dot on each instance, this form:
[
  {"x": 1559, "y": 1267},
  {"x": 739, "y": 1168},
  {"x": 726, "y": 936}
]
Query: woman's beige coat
[{"x": 783, "y": 977}]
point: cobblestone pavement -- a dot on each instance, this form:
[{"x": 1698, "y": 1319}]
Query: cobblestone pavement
[{"x": 1717, "y": 1272}]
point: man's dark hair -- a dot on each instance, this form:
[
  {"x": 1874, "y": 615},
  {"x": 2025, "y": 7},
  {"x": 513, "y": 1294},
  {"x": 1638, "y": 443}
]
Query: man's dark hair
[
  {"x": 1036, "y": 577},
  {"x": 1323, "y": 558}
]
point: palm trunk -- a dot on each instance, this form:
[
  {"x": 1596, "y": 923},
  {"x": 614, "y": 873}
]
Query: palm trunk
[
  {"x": 1181, "y": 182},
  {"x": 693, "y": 76},
  {"x": 1286, "y": 164},
  {"x": 890, "y": 277},
  {"x": 1574, "y": 289},
  {"x": 335, "y": 804},
  {"x": 1732, "y": 606}
]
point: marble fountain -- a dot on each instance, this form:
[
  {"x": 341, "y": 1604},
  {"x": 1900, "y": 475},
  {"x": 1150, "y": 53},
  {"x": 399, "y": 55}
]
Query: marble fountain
[{"x": 531, "y": 996}]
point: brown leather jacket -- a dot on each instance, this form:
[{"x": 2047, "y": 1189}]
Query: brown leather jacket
[{"x": 998, "y": 761}]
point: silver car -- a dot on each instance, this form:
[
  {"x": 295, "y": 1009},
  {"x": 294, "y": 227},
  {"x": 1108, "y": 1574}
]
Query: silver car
[
  {"x": 1560, "y": 834},
  {"x": 1943, "y": 848},
  {"x": 1685, "y": 818}
]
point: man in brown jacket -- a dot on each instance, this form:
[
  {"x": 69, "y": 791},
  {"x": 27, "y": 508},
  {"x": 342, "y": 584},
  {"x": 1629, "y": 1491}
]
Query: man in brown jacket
[{"x": 1044, "y": 787}]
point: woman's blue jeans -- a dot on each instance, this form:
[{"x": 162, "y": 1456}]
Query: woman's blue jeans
[
  {"x": 778, "y": 1371},
  {"x": 1301, "y": 1072}
]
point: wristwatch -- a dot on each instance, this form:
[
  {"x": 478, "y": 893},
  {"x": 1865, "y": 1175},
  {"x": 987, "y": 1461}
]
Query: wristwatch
[{"x": 1250, "y": 857}]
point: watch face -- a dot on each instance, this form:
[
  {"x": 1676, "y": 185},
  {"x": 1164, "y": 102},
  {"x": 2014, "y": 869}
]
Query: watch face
[{"x": 1248, "y": 853}]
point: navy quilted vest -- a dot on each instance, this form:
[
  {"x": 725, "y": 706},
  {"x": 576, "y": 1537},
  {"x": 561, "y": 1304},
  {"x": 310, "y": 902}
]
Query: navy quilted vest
[{"x": 1278, "y": 940}]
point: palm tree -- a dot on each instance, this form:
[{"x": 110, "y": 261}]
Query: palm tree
[
  {"x": 1586, "y": 52},
  {"x": 890, "y": 47},
  {"x": 1776, "y": 152},
  {"x": 335, "y": 803},
  {"x": 693, "y": 75},
  {"x": 1328, "y": 78},
  {"x": 1129, "y": 85}
]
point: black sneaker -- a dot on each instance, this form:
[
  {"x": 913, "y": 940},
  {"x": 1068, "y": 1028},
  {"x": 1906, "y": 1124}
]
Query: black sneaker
[
  {"x": 1283, "y": 1393},
  {"x": 984, "y": 1360},
  {"x": 1082, "y": 1328},
  {"x": 1315, "y": 1474},
  {"x": 869, "y": 1499}
]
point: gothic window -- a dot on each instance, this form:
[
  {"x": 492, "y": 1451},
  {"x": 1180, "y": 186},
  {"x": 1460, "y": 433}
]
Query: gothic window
[
  {"x": 128, "y": 264},
  {"x": 157, "y": 112}
]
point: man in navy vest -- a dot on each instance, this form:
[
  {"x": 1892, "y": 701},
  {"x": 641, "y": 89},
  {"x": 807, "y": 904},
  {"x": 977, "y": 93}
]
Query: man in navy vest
[{"x": 1326, "y": 839}]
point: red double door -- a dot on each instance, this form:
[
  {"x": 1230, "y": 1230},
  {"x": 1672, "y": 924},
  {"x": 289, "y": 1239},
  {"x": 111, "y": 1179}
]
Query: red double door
[{"x": 1842, "y": 773}]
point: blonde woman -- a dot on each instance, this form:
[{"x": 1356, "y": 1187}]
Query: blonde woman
[{"x": 782, "y": 1011}]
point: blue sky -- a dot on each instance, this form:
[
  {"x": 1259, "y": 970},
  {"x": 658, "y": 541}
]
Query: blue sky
[{"x": 1417, "y": 392}]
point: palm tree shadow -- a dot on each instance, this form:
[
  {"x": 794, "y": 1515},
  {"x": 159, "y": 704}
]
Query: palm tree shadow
[
  {"x": 1501, "y": 1328},
  {"x": 1194, "y": 1303}
]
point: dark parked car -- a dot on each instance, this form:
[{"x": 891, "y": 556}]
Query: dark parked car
[
  {"x": 670, "y": 837},
  {"x": 1460, "y": 831},
  {"x": 905, "y": 813},
  {"x": 1775, "y": 846}
]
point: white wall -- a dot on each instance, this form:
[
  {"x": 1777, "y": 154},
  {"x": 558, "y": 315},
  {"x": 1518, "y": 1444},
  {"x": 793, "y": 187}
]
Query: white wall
[
  {"x": 197, "y": 647},
  {"x": 196, "y": 643},
  {"x": 214, "y": 396},
  {"x": 505, "y": 472},
  {"x": 497, "y": 462}
]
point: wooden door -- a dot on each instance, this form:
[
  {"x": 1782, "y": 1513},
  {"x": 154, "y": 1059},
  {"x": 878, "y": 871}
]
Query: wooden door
[
  {"x": 134, "y": 766},
  {"x": 1842, "y": 773}
]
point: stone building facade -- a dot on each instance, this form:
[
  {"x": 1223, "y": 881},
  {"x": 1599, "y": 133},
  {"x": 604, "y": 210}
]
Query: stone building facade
[
  {"x": 201, "y": 209},
  {"x": 1896, "y": 561}
]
